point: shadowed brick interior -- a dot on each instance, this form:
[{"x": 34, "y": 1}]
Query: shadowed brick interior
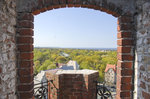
[{"x": 16, "y": 44}]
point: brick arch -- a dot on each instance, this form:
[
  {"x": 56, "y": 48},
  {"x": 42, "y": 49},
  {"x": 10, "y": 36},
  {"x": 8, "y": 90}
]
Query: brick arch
[
  {"x": 24, "y": 38},
  {"x": 110, "y": 9}
]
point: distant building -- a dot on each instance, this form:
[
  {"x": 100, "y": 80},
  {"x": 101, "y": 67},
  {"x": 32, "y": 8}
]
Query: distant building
[
  {"x": 64, "y": 54},
  {"x": 71, "y": 65},
  {"x": 110, "y": 75}
]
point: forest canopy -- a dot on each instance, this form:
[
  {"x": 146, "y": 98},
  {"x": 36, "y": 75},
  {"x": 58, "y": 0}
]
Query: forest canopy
[{"x": 46, "y": 58}]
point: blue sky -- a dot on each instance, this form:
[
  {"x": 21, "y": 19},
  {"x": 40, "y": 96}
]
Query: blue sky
[{"x": 75, "y": 28}]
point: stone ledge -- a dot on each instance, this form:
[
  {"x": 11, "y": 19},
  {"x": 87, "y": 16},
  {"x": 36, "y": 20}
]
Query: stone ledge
[{"x": 84, "y": 72}]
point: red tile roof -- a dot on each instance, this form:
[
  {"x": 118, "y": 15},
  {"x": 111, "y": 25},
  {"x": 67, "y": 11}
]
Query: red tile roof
[{"x": 109, "y": 66}]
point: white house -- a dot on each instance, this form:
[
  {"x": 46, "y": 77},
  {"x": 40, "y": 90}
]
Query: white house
[
  {"x": 110, "y": 74},
  {"x": 71, "y": 65}
]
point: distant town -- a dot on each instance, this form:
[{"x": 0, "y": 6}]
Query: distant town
[
  {"x": 52, "y": 61},
  {"x": 107, "y": 49}
]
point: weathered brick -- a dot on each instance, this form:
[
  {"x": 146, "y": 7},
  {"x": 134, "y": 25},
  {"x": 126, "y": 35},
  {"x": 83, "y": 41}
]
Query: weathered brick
[
  {"x": 124, "y": 35},
  {"x": 43, "y": 10},
  {"x": 26, "y": 56},
  {"x": 126, "y": 13},
  {"x": 26, "y": 79},
  {"x": 26, "y": 16},
  {"x": 36, "y": 12},
  {"x": 26, "y": 64},
  {"x": 123, "y": 94},
  {"x": 27, "y": 87},
  {"x": 125, "y": 42},
  {"x": 25, "y": 48},
  {"x": 125, "y": 27},
  {"x": 125, "y": 57},
  {"x": 24, "y": 40},
  {"x": 145, "y": 95},
  {"x": 123, "y": 65},
  {"x": 121, "y": 49},
  {"x": 124, "y": 72},
  {"x": 25, "y": 31},
  {"x": 124, "y": 80},
  {"x": 25, "y": 24},
  {"x": 25, "y": 71},
  {"x": 125, "y": 19},
  {"x": 26, "y": 95}
]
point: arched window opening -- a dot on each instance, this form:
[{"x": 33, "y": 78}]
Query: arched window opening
[{"x": 85, "y": 36}]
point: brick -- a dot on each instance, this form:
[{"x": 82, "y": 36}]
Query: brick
[
  {"x": 78, "y": 2},
  {"x": 97, "y": 8},
  {"x": 72, "y": 97},
  {"x": 112, "y": 13},
  {"x": 123, "y": 94},
  {"x": 24, "y": 40},
  {"x": 55, "y": 2},
  {"x": 88, "y": 6},
  {"x": 40, "y": 4},
  {"x": 125, "y": 42},
  {"x": 63, "y": 5},
  {"x": 50, "y": 8},
  {"x": 25, "y": 24},
  {"x": 124, "y": 35},
  {"x": 26, "y": 71},
  {"x": 25, "y": 31},
  {"x": 26, "y": 56},
  {"x": 25, "y": 64},
  {"x": 145, "y": 95},
  {"x": 121, "y": 49},
  {"x": 56, "y": 6},
  {"x": 124, "y": 72},
  {"x": 124, "y": 57},
  {"x": 125, "y": 27},
  {"x": 77, "y": 86},
  {"x": 26, "y": 79},
  {"x": 25, "y": 48},
  {"x": 36, "y": 12},
  {"x": 62, "y": 2},
  {"x": 77, "y": 5},
  {"x": 70, "y": 5},
  {"x": 43, "y": 10},
  {"x": 26, "y": 16},
  {"x": 125, "y": 19},
  {"x": 26, "y": 95},
  {"x": 124, "y": 87},
  {"x": 27, "y": 87},
  {"x": 112, "y": 10},
  {"x": 124, "y": 80},
  {"x": 123, "y": 65},
  {"x": 70, "y": 1}
]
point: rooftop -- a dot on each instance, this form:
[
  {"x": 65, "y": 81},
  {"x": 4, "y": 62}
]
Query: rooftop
[{"x": 85, "y": 71}]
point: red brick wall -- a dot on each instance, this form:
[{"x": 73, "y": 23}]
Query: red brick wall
[
  {"x": 25, "y": 55},
  {"x": 125, "y": 57},
  {"x": 72, "y": 86},
  {"x": 25, "y": 41}
]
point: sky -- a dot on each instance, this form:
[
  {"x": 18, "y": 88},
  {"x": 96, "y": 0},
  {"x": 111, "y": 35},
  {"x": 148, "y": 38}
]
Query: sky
[{"x": 75, "y": 28}]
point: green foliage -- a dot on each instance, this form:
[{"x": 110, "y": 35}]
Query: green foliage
[{"x": 87, "y": 59}]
